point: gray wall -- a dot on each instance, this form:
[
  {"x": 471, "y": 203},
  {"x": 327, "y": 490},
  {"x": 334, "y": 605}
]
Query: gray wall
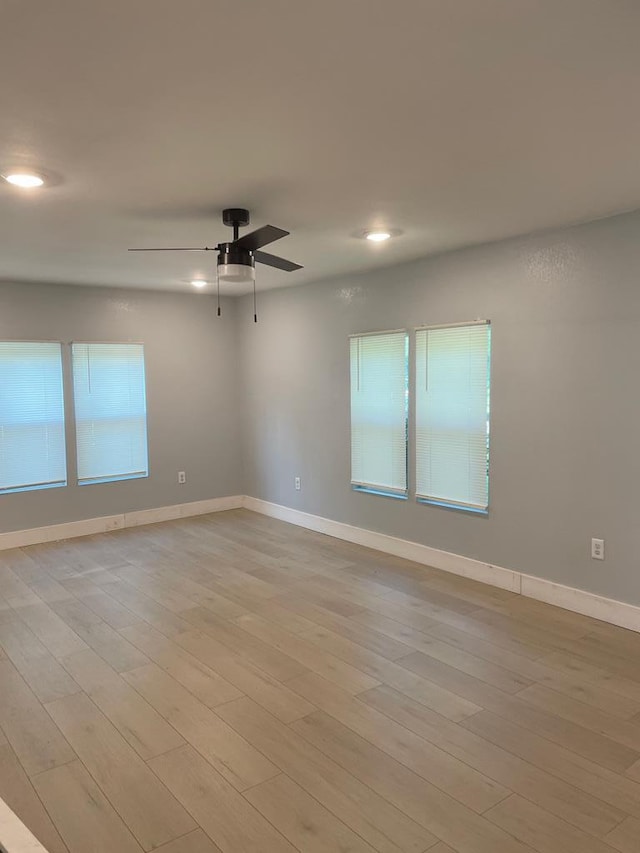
[
  {"x": 192, "y": 394},
  {"x": 565, "y": 452},
  {"x": 269, "y": 402}
]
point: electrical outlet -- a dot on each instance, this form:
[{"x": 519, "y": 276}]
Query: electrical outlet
[
  {"x": 182, "y": 477},
  {"x": 297, "y": 484},
  {"x": 597, "y": 549}
]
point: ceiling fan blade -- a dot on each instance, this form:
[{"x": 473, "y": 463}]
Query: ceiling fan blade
[
  {"x": 274, "y": 261},
  {"x": 179, "y": 249},
  {"x": 259, "y": 238}
]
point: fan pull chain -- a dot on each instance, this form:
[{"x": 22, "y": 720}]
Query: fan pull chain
[
  {"x": 218, "y": 283},
  {"x": 255, "y": 310}
]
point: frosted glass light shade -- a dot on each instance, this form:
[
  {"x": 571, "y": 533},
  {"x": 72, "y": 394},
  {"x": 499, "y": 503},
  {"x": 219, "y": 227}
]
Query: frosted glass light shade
[{"x": 236, "y": 273}]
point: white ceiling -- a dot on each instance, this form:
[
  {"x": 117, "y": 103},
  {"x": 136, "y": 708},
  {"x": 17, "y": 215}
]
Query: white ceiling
[{"x": 456, "y": 121}]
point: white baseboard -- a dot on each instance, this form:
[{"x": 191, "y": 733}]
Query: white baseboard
[
  {"x": 14, "y": 835},
  {"x": 578, "y": 600},
  {"x": 89, "y": 526}
]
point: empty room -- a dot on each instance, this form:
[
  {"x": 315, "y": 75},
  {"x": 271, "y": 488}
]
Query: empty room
[{"x": 319, "y": 426}]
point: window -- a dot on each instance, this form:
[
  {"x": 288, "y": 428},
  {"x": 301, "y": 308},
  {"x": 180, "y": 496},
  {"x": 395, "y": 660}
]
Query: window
[
  {"x": 379, "y": 394},
  {"x": 32, "y": 441},
  {"x": 110, "y": 407},
  {"x": 452, "y": 415}
]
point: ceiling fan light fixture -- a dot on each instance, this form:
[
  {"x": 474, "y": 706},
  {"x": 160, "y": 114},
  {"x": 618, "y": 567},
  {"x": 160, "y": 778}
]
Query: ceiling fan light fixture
[
  {"x": 236, "y": 264},
  {"x": 236, "y": 273}
]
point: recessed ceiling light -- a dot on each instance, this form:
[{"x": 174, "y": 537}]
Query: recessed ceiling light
[
  {"x": 377, "y": 236},
  {"x": 199, "y": 282},
  {"x": 24, "y": 180}
]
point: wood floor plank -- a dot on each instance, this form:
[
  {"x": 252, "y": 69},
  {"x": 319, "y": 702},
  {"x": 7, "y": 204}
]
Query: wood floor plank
[
  {"x": 15, "y": 591},
  {"x": 335, "y": 591},
  {"x": 51, "y": 630},
  {"x": 513, "y": 656},
  {"x": 195, "y": 842},
  {"x": 376, "y": 820},
  {"x": 429, "y": 619},
  {"x": 84, "y": 816},
  {"x": 285, "y": 617},
  {"x": 551, "y": 793},
  {"x": 421, "y": 591},
  {"x": 37, "y": 741},
  {"x": 22, "y": 564},
  {"x": 270, "y": 659},
  {"x": 391, "y": 673},
  {"x": 623, "y": 642},
  {"x": 315, "y": 615},
  {"x": 99, "y": 636},
  {"x": 49, "y": 590},
  {"x": 246, "y": 677},
  {"x": 156, "y": 589},
  {"x": 141, "y": 605},
  {"x": 626, "y": 837},
  {"x": 102, "y": 604},
  {"x": 48, "y": 557},
  {"x": 583, "y": 671},
  {"x": 186, "y": 580},
  {"x": 140, "y": 725},
  {"x": 42, "y": 672},
  {"x": 583, "y": 714},
  {"x": 598, "y": 692},
  {"x": 585, "y": 742},
  {"x": 594, "y": 779},
  {"x": 231, "y": 755},
  {"x": 205, "y": 684},
  {"x": 633, "y": 772},
  {"x": 301, "y": 819},
  {"x": 467, "y": 785},
  {"x": 445, "y": 817},
  {"x": 234, "y": 824},
  {"x": 538, "y": 613},
  {"x": 594, "y": 651},
  {"x": 146, "y": 806},
  {"x": 17, "y": 791},
  {"x": 546, "y": 631},
  {"x": 458, "y": 658},
  {"x": 542, "y": 831},
  {"x": 331, "y": 667}
]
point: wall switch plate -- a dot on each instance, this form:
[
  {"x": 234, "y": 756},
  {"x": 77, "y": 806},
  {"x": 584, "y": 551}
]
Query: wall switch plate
[
  {"x": 182, "y": 477},
  {"x": 297, "y": 483},
  {"x": 597, "y": 549}
]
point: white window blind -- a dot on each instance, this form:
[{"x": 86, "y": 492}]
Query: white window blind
[
  {"x": 379, "y": 411},
  {"x": 452, "y": 414},
  {"x": 110, "y": 408},
  {"x": 32, "y": 441}
]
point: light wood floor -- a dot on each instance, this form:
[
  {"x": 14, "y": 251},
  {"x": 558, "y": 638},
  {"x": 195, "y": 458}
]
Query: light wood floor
[{"x": 232, "y": 683}]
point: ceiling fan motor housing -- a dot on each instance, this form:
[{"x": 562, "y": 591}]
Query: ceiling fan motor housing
[{"x": 235, "y": 263}]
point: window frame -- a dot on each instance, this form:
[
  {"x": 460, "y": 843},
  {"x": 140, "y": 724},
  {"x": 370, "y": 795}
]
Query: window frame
[
  {"x": 459, "y": 506},
  {"x": 372, "y": 488},
  {"x": 38, "y": 487},
  {"x": 116, "y": 478}
]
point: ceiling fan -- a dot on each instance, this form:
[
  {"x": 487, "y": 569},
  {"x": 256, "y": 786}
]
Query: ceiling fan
[{"x": 237, "y": 259}]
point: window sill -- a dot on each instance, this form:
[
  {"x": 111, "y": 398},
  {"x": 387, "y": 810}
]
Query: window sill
[
  {"x": 115, "y": 479},
  {"x": 400, "y": 496},
  {"x": 453, "y": 506},
  {"x": 40, "y": 487}
]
